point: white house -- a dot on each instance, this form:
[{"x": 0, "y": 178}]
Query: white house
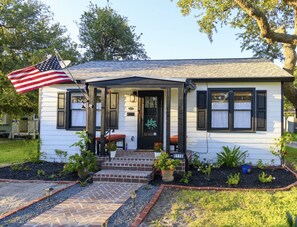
[{"x": 208, "y": 103}]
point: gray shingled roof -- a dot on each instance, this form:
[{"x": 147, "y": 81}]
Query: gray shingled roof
[{"x": 194, "y": 68}]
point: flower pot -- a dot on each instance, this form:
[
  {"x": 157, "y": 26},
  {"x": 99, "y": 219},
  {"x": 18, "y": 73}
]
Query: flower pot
[
  {"x": 112, "y": 154},
  {"x": 83, "y": 173},
  {"x": 157, "y": 154},
  {"x": 246, "y": 169},
  {"x": 167, "y": 175}
]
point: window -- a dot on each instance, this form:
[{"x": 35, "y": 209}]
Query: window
[
  {"x": 77, "y": 110},
  {"x": 71, "y": 110},
  {"x": 231, "y": 109}
]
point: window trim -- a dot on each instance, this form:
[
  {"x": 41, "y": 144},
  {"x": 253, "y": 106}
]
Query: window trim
[
  {"x": 69, "y": 127},
  {"x": 231, "y": 110}
]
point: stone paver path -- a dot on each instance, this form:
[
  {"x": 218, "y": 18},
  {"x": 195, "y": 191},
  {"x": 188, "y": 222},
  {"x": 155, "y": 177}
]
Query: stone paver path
[
  {"x": 91, "y": 207},
  {"x": 16, "y": 194}
]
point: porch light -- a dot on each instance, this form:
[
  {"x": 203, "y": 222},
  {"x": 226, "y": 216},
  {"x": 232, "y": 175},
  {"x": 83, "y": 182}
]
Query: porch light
[{"x": 133, "y": 96}]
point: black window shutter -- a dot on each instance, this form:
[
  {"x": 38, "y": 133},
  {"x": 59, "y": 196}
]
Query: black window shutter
[
  {"x": 113, "y": 111},
  {"x": 261, "y": 110},
  {"x": 201, "y": 110},
  {"x": 61, "y": 110}
]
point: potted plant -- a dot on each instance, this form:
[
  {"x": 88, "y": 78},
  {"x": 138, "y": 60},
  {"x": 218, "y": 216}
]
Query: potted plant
[
  {"x": 112, "y": 148},
  {"x": 82, "y": 163},
  {"x": 167, "y": 166},
  {"x": 157, "y": 149}
]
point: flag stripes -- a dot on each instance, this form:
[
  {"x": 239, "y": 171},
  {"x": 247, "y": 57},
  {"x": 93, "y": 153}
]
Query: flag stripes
[{"x": 43, "y": 74}]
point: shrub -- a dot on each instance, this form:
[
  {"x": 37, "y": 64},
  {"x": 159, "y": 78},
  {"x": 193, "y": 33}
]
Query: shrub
[
  {"x": 186, "y": 177},
  {"x": 265, "y": 178},
  {"x": 292, "y": 222},
  {"x": 231, "y": 157},
  {"x": 78, "y": 162},
  {"x": 233, "y": 179},
  {"x": 164, "y": 162},
  {"x": 62, "y": 155}
]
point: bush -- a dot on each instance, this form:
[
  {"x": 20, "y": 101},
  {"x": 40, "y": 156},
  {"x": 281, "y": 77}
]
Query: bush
[
  {"x": 233, "y": 179},
  {"x": 231, "y": 157},
  {"x": 78, "y": 162}
]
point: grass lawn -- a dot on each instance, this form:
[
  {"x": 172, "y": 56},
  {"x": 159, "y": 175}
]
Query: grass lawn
[
  {"x": 16, "y": 151},
  {"x": 210, "y": 208},
  {"x": 292, "y": 156}
]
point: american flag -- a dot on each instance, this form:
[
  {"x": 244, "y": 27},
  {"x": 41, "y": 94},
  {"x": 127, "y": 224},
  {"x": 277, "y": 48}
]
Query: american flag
[{"x": 43, "y": 74}]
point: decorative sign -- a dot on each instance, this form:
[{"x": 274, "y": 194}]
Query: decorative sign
[
  {"x": 130, "y": 108},
  {"x": 130, "y": 114},
  {"x": 151, "y": 124}
]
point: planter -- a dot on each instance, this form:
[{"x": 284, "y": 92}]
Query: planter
[
  {"x": 246, "y": 169},
  {"x": 83, "y": 173},
  {"x": 157, "y": 154},
  {"x": 167, "y": 175},
  {"x": 112, "y": 154}
]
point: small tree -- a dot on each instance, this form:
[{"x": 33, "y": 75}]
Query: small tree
[{"x": 280, "y": 146}]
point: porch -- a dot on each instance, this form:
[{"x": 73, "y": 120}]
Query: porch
[{"x": 153, "y": 116}]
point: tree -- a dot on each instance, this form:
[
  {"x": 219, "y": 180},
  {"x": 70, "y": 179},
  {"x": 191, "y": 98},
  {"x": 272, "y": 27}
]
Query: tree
[
  {"x": 26, "y": 38},
  {"x": 106, "y": 35},
  {"x": 267, "y": 26}
]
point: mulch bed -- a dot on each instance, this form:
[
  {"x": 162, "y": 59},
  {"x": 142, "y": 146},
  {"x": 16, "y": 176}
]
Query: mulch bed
[
  {"x": 219, "y": 177},
  {"x": 51, "y": 171}
]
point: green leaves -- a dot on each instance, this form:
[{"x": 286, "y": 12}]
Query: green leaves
[
  {"x": 231, "y": 157},
  {"x": 106, "y": 35}
]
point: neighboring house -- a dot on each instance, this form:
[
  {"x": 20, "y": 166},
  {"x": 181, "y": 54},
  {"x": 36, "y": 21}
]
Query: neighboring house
[
  {"x": 208, "y": 103},
  {"x": 26, "y": 126}
]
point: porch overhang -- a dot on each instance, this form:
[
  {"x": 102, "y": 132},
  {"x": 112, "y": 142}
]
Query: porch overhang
[{"x": 140, "y": 81}]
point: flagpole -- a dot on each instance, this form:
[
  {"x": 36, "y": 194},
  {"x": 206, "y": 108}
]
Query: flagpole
[
  {"x": 83, "y": 92},
  {"x": 65, "y": 67}
]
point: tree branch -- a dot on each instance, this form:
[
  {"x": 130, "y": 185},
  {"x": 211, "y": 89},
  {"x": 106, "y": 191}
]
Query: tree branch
[{"x": 263, "y": 24}]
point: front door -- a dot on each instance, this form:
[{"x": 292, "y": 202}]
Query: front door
[{"x": 150, "y": 120}]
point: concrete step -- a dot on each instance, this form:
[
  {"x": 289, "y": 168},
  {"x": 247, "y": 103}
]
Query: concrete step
[
  {"x": 137, "y": 165},
  {"x": 123, "y": 176}
]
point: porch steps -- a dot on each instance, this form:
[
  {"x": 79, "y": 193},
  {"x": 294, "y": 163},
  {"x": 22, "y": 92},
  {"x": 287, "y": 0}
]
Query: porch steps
[{"x": 127, "y": 166}]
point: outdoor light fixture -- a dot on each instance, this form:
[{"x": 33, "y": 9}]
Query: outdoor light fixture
[
  {"x": 49, "y": 192},
  {"x": 133, "y": 96},
  {"x": 133, "y": 197}
]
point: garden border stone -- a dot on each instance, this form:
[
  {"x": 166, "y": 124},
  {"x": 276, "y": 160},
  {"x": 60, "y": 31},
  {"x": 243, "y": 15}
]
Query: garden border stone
[{"x": 143, "y": 214}]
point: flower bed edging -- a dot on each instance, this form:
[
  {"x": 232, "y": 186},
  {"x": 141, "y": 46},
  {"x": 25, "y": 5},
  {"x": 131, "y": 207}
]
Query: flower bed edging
[
  {"x": 143, "y": 214},
  {"x": 70, "y": 184}
]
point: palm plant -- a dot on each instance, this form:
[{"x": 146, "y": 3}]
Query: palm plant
[{"x": 231, "y": 157}]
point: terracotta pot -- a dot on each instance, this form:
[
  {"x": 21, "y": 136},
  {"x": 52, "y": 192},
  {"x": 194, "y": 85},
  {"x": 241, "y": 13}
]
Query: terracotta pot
[
  {"x": 167, "y": 175},
  {"x": 83, "y": 173}
]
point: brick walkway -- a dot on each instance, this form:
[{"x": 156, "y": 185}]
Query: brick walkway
[{"x": 91, "y": 207}]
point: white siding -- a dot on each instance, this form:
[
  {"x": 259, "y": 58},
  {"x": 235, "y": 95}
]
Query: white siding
[{"x": 207, "y": 144}]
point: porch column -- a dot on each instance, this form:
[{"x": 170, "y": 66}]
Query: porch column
[
  {"x": 182, "y": 113},
  {"x": 91, "y": 118},
  {"x": 103, "y": 121},
  {"x": 168, "y": 107}
]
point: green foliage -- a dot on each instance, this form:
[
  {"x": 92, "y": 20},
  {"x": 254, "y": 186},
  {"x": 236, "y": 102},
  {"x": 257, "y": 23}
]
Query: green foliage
[
  {"x": 186, "y": 177},
  {"x": 35, "y": 155},
  {"x": 82, "y": 143},
  {"x": 291, "y": 158},
  {"x": 19, "y": 167},
  {"x": 233, "y": 179},
  {"x": 106, "y": 35},
  {"x": 27, "y": 37},
  {"x": 265, "y": 178},
  {"x": 292, "y": 222},
  {"x": 226, "y": 208},
  {"x": 260, "y": 164},
  {"x": 111, "y": 146},
  {"x": 164, "y": 162},
  {"x": 62, "y": 155},
  {"x": 212, "y": 15},
  {"x": 280, "y": 145},
  {"x": 231, "y": 157},
  {"x": 40, "y": 172},
  {"x": 79, "y": 162}
]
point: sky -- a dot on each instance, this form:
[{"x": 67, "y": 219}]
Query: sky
[{"x": 166, "y": 33}]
